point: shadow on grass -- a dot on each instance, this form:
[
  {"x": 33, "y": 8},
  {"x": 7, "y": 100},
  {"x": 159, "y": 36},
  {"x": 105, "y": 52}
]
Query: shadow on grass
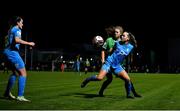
[
  {"x": 80, "y": 95},
  {"x": 5, "y": 98},
  {"x": 88, "y": 95},
  {"x": 96, "y": 95},
  {"x": 85, "y": 95}
]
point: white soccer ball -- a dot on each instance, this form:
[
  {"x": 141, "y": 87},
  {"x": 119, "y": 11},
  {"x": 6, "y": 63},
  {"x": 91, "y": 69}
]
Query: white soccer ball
[{"x": 98, "y": 41}]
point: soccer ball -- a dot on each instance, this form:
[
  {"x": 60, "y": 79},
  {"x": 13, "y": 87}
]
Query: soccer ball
[{"x": 98, "y": 41}]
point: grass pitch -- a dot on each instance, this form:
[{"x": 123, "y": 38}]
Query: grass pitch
[{"x": 61, "y": 91}]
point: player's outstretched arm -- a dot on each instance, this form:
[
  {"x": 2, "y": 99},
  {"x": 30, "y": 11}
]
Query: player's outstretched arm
[{"x": 20, "y": 41}]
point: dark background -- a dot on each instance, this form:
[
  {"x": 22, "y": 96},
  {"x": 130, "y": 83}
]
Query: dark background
[{"x": 60, "y": 25}]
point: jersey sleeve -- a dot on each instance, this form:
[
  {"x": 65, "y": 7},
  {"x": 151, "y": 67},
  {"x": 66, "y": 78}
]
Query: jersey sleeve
[
  {"x": 17, "y": 33},
  {"x": 129, "y": 49},
  {"x": 105, "y": 45}
]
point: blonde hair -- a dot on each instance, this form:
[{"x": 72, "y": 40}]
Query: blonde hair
[{"x": 120, "y": 29}]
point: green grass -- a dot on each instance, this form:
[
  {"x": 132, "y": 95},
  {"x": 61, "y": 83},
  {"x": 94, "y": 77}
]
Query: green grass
[{"x": 61, "y": 91}]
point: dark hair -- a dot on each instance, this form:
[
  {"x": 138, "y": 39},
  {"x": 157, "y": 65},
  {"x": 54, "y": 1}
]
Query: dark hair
[
  {"x": 132, "y": 39},
  {"x": 110, "y": 31},
  {"x": 14, "y": 21}
]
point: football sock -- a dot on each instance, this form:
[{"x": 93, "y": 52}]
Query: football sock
[
  {"x": 128, "y": 87},
  {"x": 11, "y": 82},
  {"x": 21, "y": 85},
  {"x": 92, "y": 78},
  {"x": 104, "y": 85},
  {"x": 87, "y": 80},
  {"x": 133, "y": 89}
]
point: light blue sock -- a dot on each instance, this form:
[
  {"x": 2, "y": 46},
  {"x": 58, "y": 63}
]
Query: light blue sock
[
  {"x": 11, "y": 82},
  {"x": 21, "y": 85},
  {"x": 92, "y": 78}
]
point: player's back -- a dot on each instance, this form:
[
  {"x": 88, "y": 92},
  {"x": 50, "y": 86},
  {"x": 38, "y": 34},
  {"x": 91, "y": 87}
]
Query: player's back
[
  {"x": 120, "y": 52},
  {"x": 10, "y": 39}
]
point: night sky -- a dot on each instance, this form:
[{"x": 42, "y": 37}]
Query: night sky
[
  {"x": 65, "y": 24},
  {"x": 79, "y": 23}
]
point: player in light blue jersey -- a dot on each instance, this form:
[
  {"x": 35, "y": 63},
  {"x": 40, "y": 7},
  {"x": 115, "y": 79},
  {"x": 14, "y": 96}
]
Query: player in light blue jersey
[
  {"x": 77, "y": 64},
  {"x": 11, "y": 53},
  {"x": 113, "y": 63}
]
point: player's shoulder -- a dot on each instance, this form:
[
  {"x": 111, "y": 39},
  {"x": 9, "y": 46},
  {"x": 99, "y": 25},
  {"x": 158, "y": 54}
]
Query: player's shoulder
[
  {"x": 14, "y": 29},
  {"x": 130, "y": 46},
  {"x": 109, "y": 38},
  {"x": 117, "y": 42}
]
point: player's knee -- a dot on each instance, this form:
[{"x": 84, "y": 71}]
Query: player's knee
[
  {"x": 127, "y": 80},
  {"x": 99, "y": 78},
  {"x": 22, "y": 72}
]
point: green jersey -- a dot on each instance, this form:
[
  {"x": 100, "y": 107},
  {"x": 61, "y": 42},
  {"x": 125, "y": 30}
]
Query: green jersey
[{"x": 108, "y": 44}]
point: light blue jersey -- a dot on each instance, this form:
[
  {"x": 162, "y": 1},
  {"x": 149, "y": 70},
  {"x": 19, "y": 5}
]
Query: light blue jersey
[
  {"x": 10, "y": 42},
  {"x": 11, "y": 50},
  {"x": 78, "y": 65},
  {"x": 117, "y": 57}
]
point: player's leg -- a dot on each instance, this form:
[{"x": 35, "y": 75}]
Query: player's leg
[
  {"x": 10, "y": 62},
  {"x": 22, "y": 79},
  {"x": 105, "y": 68},
  {"x": 106, "y": 83},
  {"x": 134, "y": 91},
  {"x": 78, "y": 69},
  {"x": 11, "y": 82},
  {"x": 86, "y": 69},
  {"x": 124, "y": 76},
  {"x": 98, "y": 77},
  {"x": 22, "y": 84}
]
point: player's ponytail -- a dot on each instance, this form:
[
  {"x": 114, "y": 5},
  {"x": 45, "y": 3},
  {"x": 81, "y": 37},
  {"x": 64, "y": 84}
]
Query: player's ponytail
[{"x": 132, "y": 39}]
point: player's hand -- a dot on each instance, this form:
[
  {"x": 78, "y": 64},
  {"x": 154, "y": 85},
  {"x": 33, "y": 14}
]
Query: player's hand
[{"x": 31, "y": 43}]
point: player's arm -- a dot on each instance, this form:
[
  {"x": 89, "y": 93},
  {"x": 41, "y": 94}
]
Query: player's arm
[
  {"x": 110, "y": 50},
  {"x": 103, "y": 51},
  {"x": 103, "y": 56},
  {"x": 20, "y": 41}
]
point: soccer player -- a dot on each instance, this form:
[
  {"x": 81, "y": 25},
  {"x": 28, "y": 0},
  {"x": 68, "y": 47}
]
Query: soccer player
[
  {"x": 113, "y": 33},
  {"x": 120, "y": 51},
  {"x": 77, "y": 64},
  {"x": 87, "y": 65},
  {"x": 11, "y": 53}
]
